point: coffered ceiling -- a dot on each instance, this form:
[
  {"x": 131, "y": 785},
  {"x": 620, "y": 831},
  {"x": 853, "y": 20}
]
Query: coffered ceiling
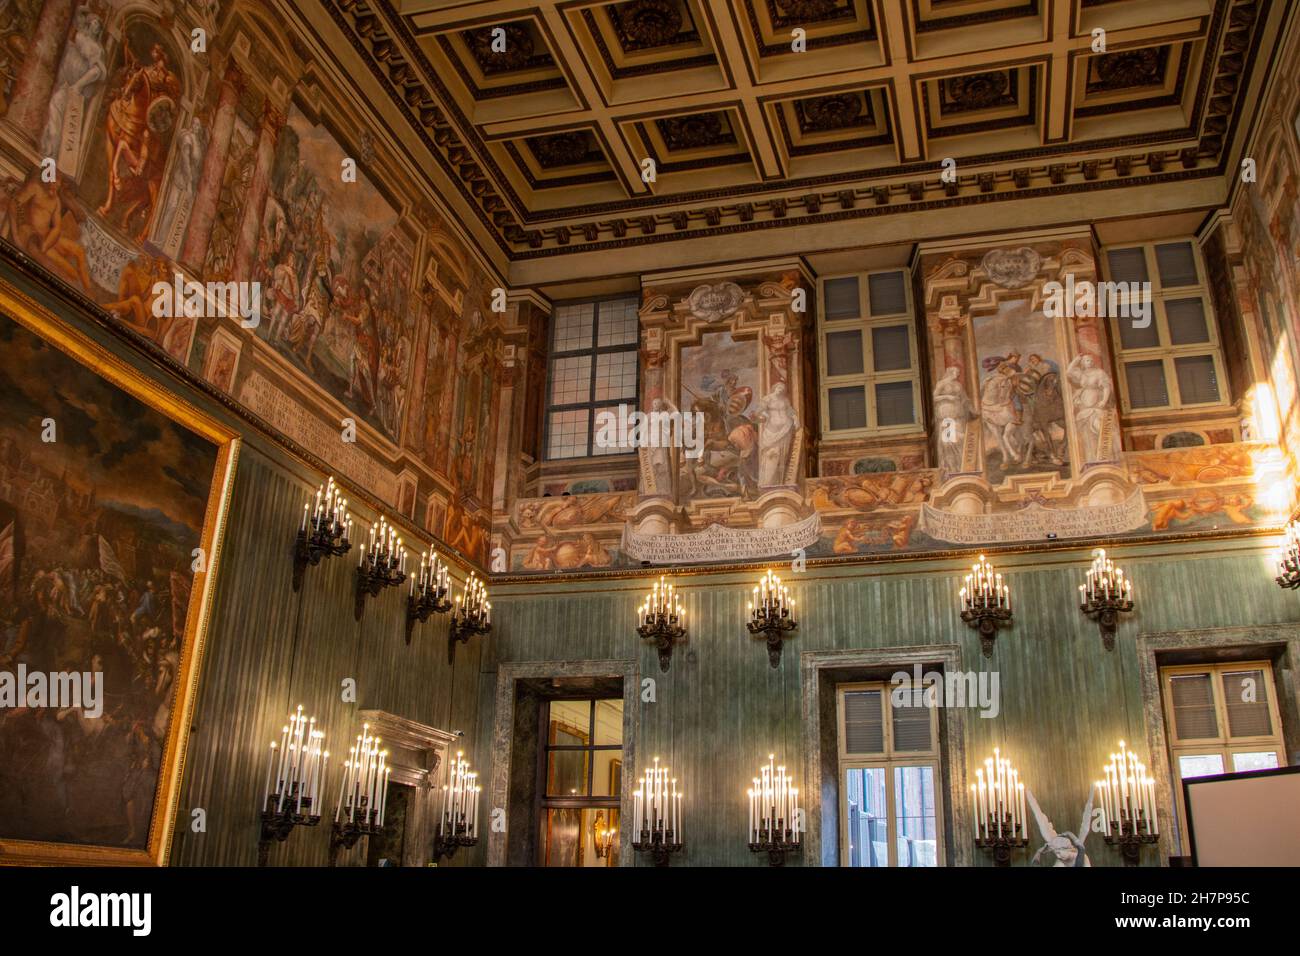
[{"x": 546, "y": 114}]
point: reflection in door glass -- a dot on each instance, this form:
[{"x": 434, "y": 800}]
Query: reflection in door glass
[
  {"x": 868, "y": 820},
  {"x": 918, "y": 843}
]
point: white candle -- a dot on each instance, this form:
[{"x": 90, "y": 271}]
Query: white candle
[{"x": 270, "y": 762}]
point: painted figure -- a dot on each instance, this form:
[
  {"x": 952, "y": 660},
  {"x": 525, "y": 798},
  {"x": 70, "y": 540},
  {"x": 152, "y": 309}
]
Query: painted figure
[
  {"x": 952, "y": 411},
  {"x": 1093, "y": 399},
  {"x": 778, "y": 423},
  {"x": 81, "y": 71},
  {"x": 139, "y": 117},
  {"x": 998, "y": 410}
]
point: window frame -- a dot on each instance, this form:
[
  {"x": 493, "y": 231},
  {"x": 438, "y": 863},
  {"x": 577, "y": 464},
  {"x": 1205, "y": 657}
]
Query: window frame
[
  {"x": 868, "y": 379},
  {"x": 888, "y": 760},
  {"x": 1164, "y": 350},
  {"x": 610, "y": 803},
  {"x": 1224, "y": 744},
  {"x": 592, "y": 405}
]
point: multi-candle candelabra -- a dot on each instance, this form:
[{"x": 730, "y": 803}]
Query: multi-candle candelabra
[
  {"x": 458, "y": 819},
  {"x": 771, "y": 615},
  {"x": 999, "y": 809},
  {"x": 295, "y": 774},
  {"x": 985, "y": 603},
  {"x": 1288, "y": 558},
  {"x": 472, "y": 615},
  {"x": 382, "y": 563},
  {"x": 430, "y": 593},
  {"x": 774, "y": 816},
  {"x": 1128, "y": 805},
  {"x": 1105, "y": 596},
  {"x": 661, "y": 620},
  {"x": 326, "y": 530},
  {"x": 657, "y": 815},
  {"x": 363, "y": 794},
  {"x": 603, "y": 835}
]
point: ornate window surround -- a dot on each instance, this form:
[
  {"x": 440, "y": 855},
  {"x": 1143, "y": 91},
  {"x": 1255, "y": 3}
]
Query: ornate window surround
[
  {"x": 1278, "y": 642},
  {"x": 822, "y": 848}
]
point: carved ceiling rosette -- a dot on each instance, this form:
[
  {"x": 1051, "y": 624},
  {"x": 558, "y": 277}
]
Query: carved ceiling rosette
[
  {"x": 697, "y": 131},
  {"x": 560, "y": 149},
  {"x": 1129, "y": 68},
  {"x": 518, "y": 48},
  {"x": 823, "y": 113},
  {"x": 1012, "y": 268},
  {"x": 806, "y": 9},
  {"x": 977, "y": 91},
  {"x": 649, "y": 23},
  {"x": 713, "y": 303}
]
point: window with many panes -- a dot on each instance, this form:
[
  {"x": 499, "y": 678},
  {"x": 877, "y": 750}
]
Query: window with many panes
[
  {"x": 593, "y": 367},
  {"x": 889, "y": 775},
  {"x": 867, "y": 348},
  {"x": 582, "y": 771},
  {"x": 1220, "y": 718},
  {"x": 1174, "y": 361}
]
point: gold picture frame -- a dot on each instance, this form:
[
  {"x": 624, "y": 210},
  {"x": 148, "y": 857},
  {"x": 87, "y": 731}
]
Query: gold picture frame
[{"x": 82, "y": 349}]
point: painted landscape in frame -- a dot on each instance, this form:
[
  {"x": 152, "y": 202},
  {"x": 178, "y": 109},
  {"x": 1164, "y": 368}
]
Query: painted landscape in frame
[{"x": 98, "y": 535}]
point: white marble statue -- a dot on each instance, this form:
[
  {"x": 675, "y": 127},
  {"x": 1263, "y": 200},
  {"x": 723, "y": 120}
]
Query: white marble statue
[
  {"x": 660, "y": 454},
  {"x": 191, "y": 145},
  {"x": 81, "y": 71},
  {"x": 1067, "y": 847},
  {"x": 952, "y": 410},
  {"x": 1094, "y": 396},
  {"x": 777, "y": 423}
]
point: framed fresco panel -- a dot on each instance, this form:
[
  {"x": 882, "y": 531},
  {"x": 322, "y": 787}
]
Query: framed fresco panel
[{"x": 113, "y": 499}]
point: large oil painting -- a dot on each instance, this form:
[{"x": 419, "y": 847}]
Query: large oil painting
[{"x": 110, "y": 498}]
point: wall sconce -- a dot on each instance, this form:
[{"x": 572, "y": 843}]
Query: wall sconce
[
  {"x": 1105, "y": 596},
  {"x": 774, "y": 821},
  {"x": 771, "y": 615},
  {"x": 458, "y": 821},
  {"x": 985, "y": 603},
  {"x": 657, "y": 815},
  {"x": 294, "y": 777},
  {"x": 999, "y": 809},
  {"x": 1288, "y": 558},
  {"x": 363, "y": 794},
  {"x": 326, "y": 531},
  {"x": 382, "y": 564},
  {"x": 473, "y": 615},
  {"x": 661, "y": 620},
  {"x": 602, "y": 837},
  {"x": 430, "y": 593},
  {"x": 1128, "y": 804}
]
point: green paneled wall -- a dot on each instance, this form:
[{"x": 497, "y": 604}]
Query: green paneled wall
[
  {"x": 270, "y": 649},
  {"x": 1065, "y": 702}
]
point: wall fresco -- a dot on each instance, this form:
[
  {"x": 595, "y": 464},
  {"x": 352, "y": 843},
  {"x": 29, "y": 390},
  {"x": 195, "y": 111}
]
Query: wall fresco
[{"x": 228, "y": 167}]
